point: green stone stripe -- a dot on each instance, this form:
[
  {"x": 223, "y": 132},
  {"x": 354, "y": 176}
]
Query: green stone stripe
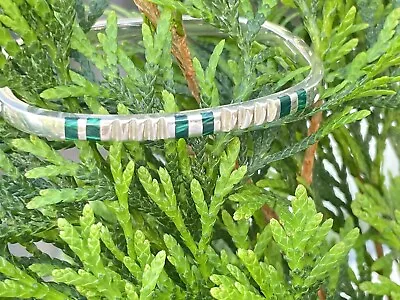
[
  {"x": 208, "y": 123},
  {"x": 181, "y": 126},
  {"x": 93, "y": 129},
  {"x": 71, "y": 128},
  {"x": 286, "y": 104},
  {"x": 302, "y": 96}
]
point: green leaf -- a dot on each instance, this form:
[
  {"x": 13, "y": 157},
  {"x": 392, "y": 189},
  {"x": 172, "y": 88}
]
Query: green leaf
[
  {"x": 300, "y": 235},
  {"x": 257, "y": 197},
  {"x": 266, "y": 6},
  {"x": 7, "y": 41},
  {"x": 81, "y": 43},
  {"x": 108, "y": 241},
  {"x": 86, "y": 221},
  {"x": 142, "y": 249},
  {"x": 151, "y": 274},
  {"x": 21, "y": 285},
  {"x": 290, "y": 76},
  {"x": 95, "y": 10},
  {"x": 263, "y": 239},
  {"x": 184, "y": 159},
  {"x": 385, "y": 35},
  {"x": 206, "y": 79},
  {"x": 265, "y": 276},
  {"x": 130, "y": 292},
  {"x": 329, "y": 11},
  {"x": 54, "y": 196},
  {"x": 333, "y": 258},
  {"x": 345, "y": 49},
  {"x": 246, "y": 8},
  {"x": 169, "y": 102},
  {"x": 334, "y": 122},
  {"x": 229, "y": 289},
  {"x": 237, "y": 230},
  {"x": 14, "y": 19},
  {"x": 39, "y": 148},
  {"x": 122, "y": 182},
  {"x": 42, "y": 270},
  {"x": 67, "y": 92},
  {"x": 241, "y": 277},
  {"x": 53, "y": 171},
  {"x": 166, "y": 201},
  {"x": 212, "y": 68},
  {"x": 180, "y": 261},
  {"x": 385, "y": 286},
  {"x": 109, "y": 42},
  {"x": 7, "y": 167},
  {"x": 198, "y": 198},
  {"x": 71, "y": 236},
  {"x": 372, "y": 207}
]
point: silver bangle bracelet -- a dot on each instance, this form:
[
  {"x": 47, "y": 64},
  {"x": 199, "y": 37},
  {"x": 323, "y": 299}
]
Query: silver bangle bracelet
[{"x": 146, "y": 127}]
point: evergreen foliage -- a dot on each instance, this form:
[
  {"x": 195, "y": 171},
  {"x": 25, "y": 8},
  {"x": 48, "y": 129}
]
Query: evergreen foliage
[{"x": 226, "y": 216}]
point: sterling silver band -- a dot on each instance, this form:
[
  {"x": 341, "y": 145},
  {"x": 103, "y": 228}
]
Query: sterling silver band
[{"x": 141, "y": 127}]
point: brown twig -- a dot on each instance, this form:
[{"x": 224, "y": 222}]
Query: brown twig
[
  {"x": 308, "y": 164},
  {"x": 321, "y": 294},
  {"x": 180, "y": 48},
  {"x": 309, "y": 157},
  {"x": 269, "y": 213},
  {"x": 379, "y": 249},
  {"x": 149, "y": 9},
  {"x": 379, "y": 254}
]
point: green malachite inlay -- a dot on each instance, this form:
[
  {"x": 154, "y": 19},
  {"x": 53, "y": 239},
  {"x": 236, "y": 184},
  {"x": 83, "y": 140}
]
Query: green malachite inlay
[
  {"x": 181, "y": 126},
  {"x": 208, "y": 123},
  {"x": 93, "y": 129},
  {"x": 302, "y": 96},
  {"x": 286, "y": 105},
  {"x": 71, "y": 128}
]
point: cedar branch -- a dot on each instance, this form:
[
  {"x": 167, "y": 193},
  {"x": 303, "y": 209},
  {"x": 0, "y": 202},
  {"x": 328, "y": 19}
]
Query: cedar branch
[
  {"x": 180, "y": 48},
  {"x": 309, "y": 157}
]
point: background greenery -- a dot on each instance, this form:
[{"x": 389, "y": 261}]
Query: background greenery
[{"x": 227, "y": 216}]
